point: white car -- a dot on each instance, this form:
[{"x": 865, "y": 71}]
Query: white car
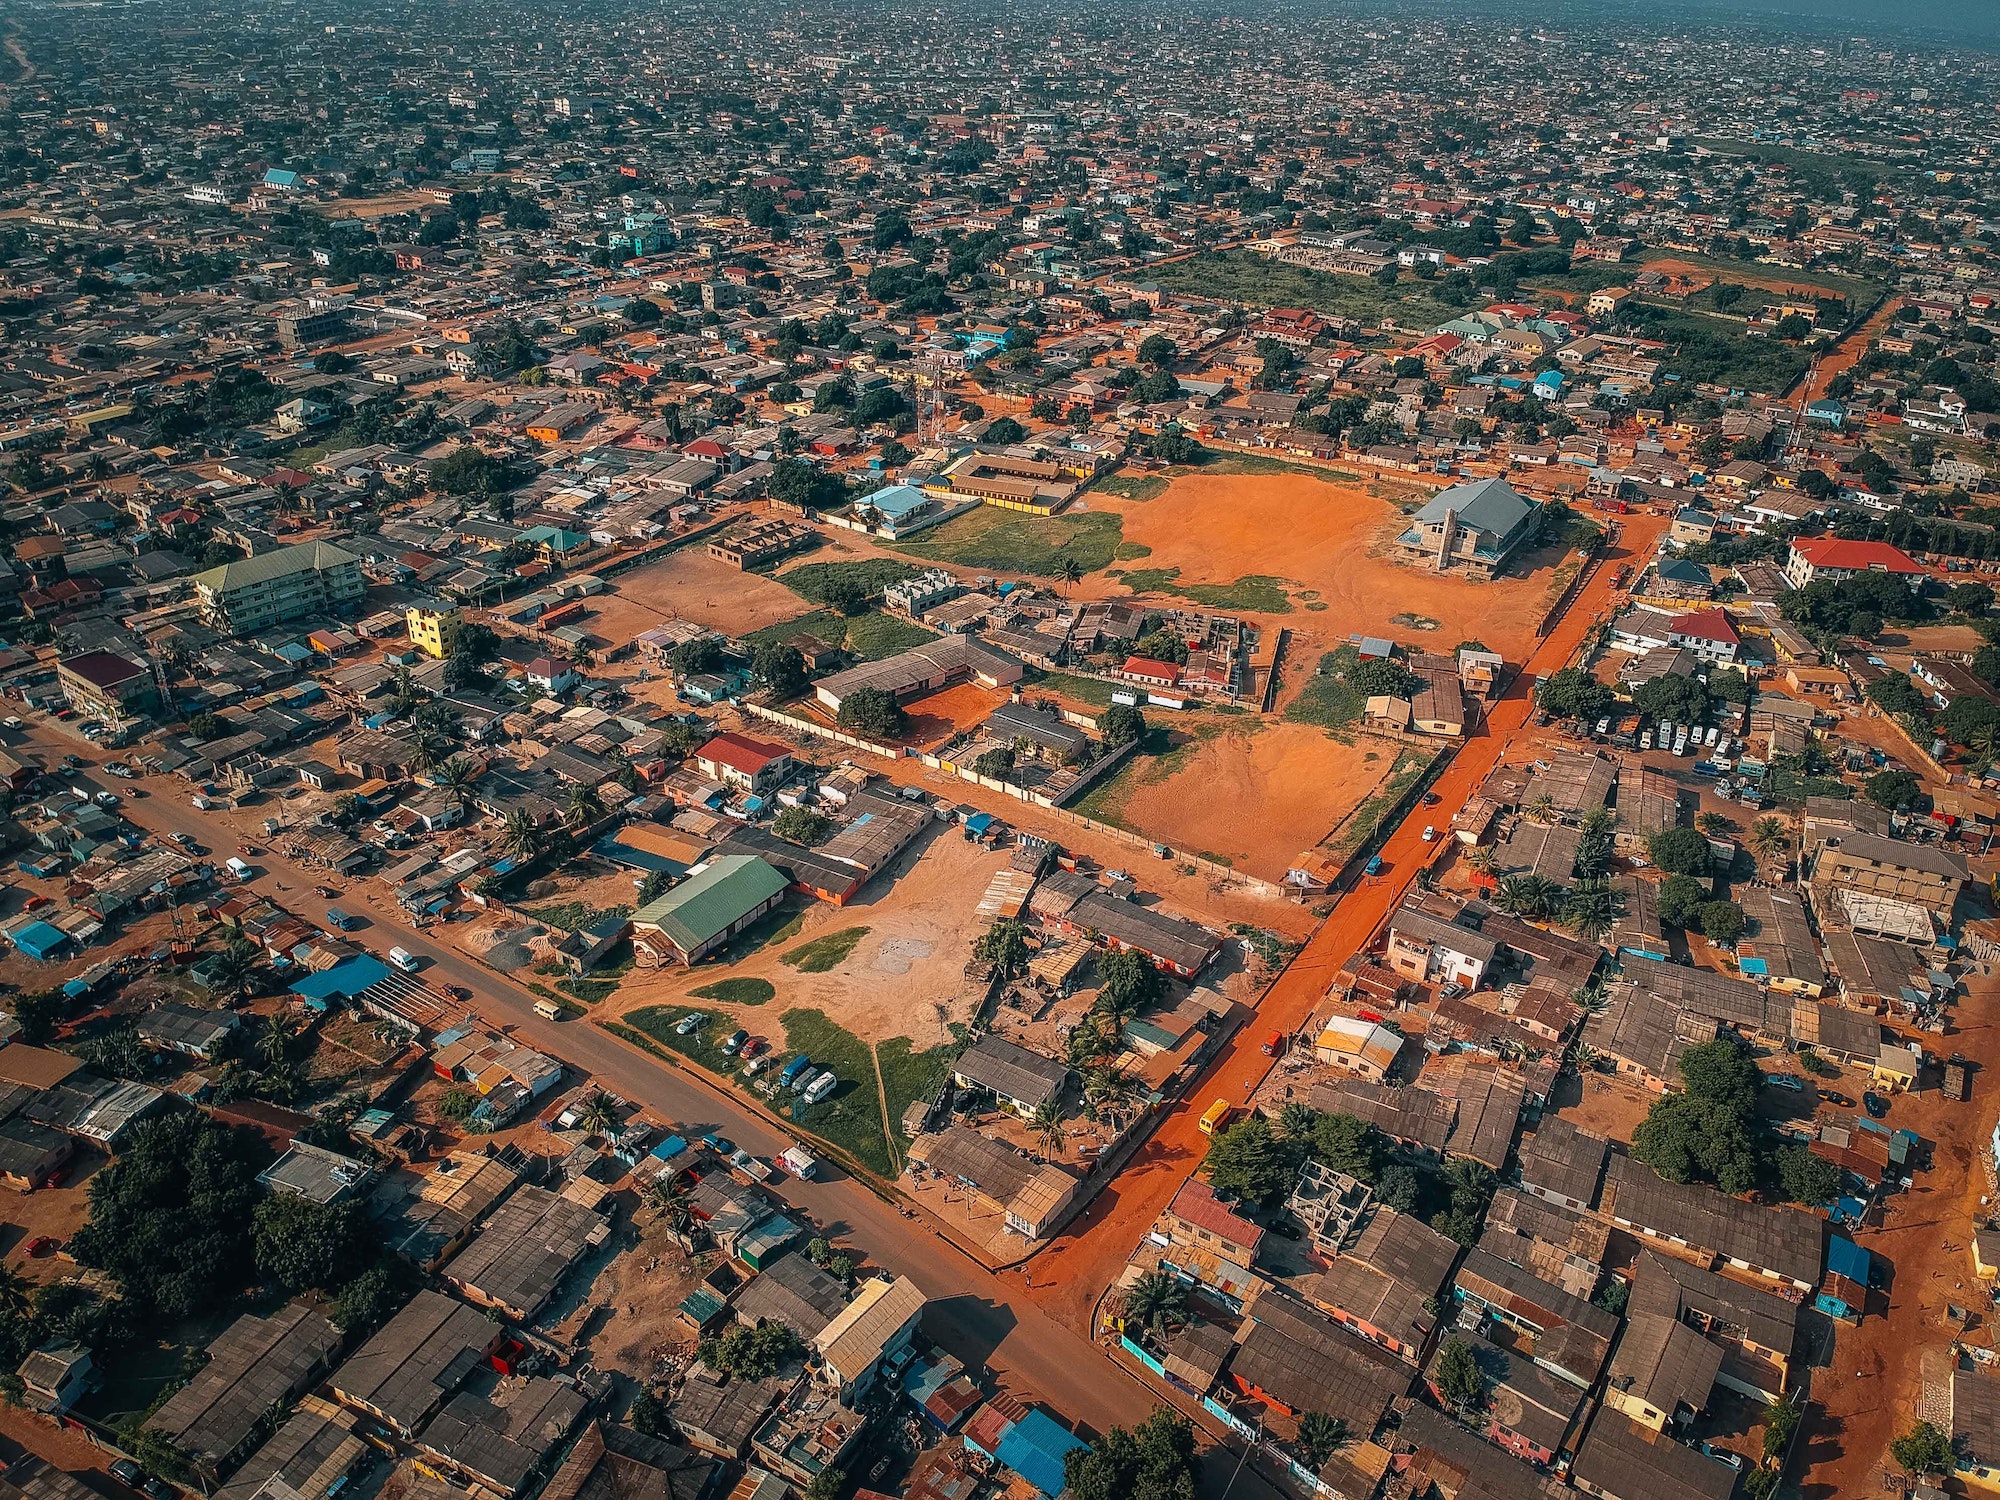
[
  {"x": 1430, "y": 834},
  {"x": 688, "y": 1024}
]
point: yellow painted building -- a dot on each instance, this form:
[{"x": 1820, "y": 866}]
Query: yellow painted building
[{"x": 434, "y": 631}]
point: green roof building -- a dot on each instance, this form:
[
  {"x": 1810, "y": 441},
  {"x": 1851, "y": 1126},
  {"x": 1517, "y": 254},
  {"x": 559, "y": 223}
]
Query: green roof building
[
  {"x": 313, "y": 578},
  {"x": 705, "y": 911}
]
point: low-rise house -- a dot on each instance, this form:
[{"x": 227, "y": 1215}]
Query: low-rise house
[
  {"x": 1415, "y": 1116},
  {"x": 1020, "y": 1076},
  {"x": 502, "y": 1441},
  {"x": 254, "y": 1368},
  {"x": 881, "y": 1319},
  {"x": 1366, "y": 1049},
  {"x": 1474, "y": 527},
  {"x": 1622, "y": 1460},
  {"x": 794, "y": 1292},
  {"x": 1199, "y": 1219},
  {"x": 1030, "y": 1197},
  {"x": 404, "y": 1373},
  {"x": 1429, "y": 949},
  {"x": 613, "y": 1462},
  {"x": 1294, "y": 1358},
  {"x": 749, "y": 765},
  {"x": 1699, "y": 1224},
  {"x": 313, "y": 1456},
  {"x": 1387, "y": 1284},
  {"x": 531, "y": 1242},
  {"x": 694, "y": 918},
  {"x": 55, "y": 1377}
]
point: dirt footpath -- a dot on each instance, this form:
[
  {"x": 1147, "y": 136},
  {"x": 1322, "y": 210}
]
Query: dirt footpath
[
  {"x": 1326, "y": 542},
  {"x": 1255, "y": 796}
]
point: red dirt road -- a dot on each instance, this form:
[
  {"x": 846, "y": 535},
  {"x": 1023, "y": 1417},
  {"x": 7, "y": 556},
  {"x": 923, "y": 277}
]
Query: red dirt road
[
  {"x": 1847, "y": 353},
  {"x": 1068, "y": 1276}
]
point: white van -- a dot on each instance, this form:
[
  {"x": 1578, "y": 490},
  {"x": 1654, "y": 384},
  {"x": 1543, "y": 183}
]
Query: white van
[
  {"x": 403, "y": 959},
  {"x": 548, "y": 1010}
]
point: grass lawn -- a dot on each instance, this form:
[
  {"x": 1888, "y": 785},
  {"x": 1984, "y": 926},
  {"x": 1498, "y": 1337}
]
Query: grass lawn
[
  {"x": 1083, "y": 689},
  {"x": 824, "y": 953},
  {"x": 825, "y": 624},
  {"x": 812, "y": 580},
  {"x": 1132, "y": 486},
  {"x": 773, "y": 927},
  {"x": 1011, "y": 541},
  {"x": 1245, "y": 276},
  {"x": 1259, "y": 593},
  {"x": 875, "y": 635},
  {"x": 1360, "y": 825},
  {"x": 741, "y": 991},
  {"x": 1326, "y": 699},
  {"x": 588, "y": 991},
  {"x": 851, "y": 1116}
]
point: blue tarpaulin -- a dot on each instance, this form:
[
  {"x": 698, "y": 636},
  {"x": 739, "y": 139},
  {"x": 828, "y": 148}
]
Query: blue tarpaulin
[
  {"x": 347, "y": 978},
  {"x": 1845, "y": 1258},
  {"x": 1034, "y": 1447}
]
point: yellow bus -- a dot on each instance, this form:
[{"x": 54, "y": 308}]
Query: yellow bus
[{"x": 1219, "y": 1115}]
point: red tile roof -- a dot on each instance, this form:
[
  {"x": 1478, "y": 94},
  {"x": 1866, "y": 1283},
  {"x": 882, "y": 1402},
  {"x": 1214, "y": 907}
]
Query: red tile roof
[
  {"x": 1196, "y": 1202},
  {"x": 1832, "y": 552},
  {"x": 1706, "y": 625},
  {"x": 740, "y": 753}
]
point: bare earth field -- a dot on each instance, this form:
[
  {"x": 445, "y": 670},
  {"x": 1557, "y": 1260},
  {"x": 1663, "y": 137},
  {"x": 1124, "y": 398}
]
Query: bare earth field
[
  {"x": 920, "y": 931},
  {"x": 1327, "y": 542},
  {"x": 935, "y": 719},
  {"x": 693, "y": 586},
  {"x": 1251, "y": 797}
]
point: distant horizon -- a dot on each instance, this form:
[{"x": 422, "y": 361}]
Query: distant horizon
[{"x": 1974, "y": 23}]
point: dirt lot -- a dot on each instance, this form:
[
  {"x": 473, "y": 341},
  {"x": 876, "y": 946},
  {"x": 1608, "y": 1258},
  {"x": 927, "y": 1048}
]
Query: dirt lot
[
  {"x": 920, "y": 927},
  {"x": 1299, "y": 780},
  {"x": 694, "y": 586},
  {"x": 935, "y": 719},
  {"x": 1327, "y": 542}
]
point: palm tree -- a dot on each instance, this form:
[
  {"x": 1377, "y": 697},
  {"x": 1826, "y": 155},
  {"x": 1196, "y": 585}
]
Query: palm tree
[
  {"x": 1296, "y": 1121},
  {"x": 1481, "y": 858},
  {"x": 1108, "y": 1093},
  {"x": 524, "y": 837},
  {"x": 1592, "y": 908},
  {"x": 1591, "y": 997},
  {"x": 582, "y": 655},
  {"x": 458, "y": 776},
  {"x": 1597, "y": 822},
  {"x": 1541, "y": 808},
  {"x": 1320, "y": 1437},
  {"x": 1071, "y": 574},
  {"x": 1047, "y": 1124},
  {"x": 585, "y": 806},
  {"x": 1713, "y": 824},
  {"x": 1155, "y": 1299},
  {"x": 14, "y": 1300},
  {"x": 275, "y": 1045},
  {"x": 597, "y": 1117},
  {"x": 1526, "y": 895},
  {"x": 233, "y": 966},
  {"x": 1771, "y": 838}
]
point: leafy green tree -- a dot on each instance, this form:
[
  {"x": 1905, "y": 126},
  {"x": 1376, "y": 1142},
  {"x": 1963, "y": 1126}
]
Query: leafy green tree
[
  {"x": 752, "y": 1353},
  {"x": 1573, "y": 693},
  {"x": 203, "y": 727},
  {"x": 803, "y": 825},
  {"x": 872, "y": 711},
  {"x": 1004, "y": 945},
  {"x": 996, "y": 764},
  {"x": 1690, "y": 1139},
  {"x": 1320, "y": 1437},
  {"x": 1894, "y": 789},
  {"x": 1680, "y": 851},
  {"x": 781, "y": 668},
  {"x": 1154, "y": 1461},
  {"x": 1157, "y": 350},
  {"x": 1348, "y": 1145},
  {"x": 1005, "y": 431},
  {"x": 1973, "y": 599},
  {"x": 1724, "y": 1071},
  {"x": 1681, "y": 700},
  {"x": 1121, "y": 723},
  {"x": 1251, "y": 1162},
  {"x": 647, "y": 1413},
  {"x": 171, "y": 1217},
  {"x": 1925, "y": 1449},
  {"x": 38, "y": 1013},
  {"x": 300, "y": 1245},
  {"x": 1722, "y": 922},
  {"x": 1896, "y": 694},
  {"x": 1680, "y": 901},
  {"x": 1128, "y": 982},
  {"x": 1457, "y": 1377}
]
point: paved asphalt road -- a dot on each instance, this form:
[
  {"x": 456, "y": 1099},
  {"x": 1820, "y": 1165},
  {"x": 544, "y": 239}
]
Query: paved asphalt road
[{"x": 973, "y": 1314}]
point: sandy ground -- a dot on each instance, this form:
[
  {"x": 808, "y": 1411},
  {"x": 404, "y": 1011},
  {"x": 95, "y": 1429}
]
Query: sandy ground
[
  {"x": 1256, "y": 799},
  {"x": 1327, "y": 541},
  {"x": 1771, "y": 282},
  {"x": 935, "y": 719},
  {"x": 911, "y": 963},
  {"x": 693, "y": 586}
]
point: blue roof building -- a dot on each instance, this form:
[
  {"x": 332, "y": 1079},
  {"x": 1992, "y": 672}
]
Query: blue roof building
[
  {"x": 278, "y": 177},
  {"x": 346, "y": 979},
  {"x": 1034, "y": 1448},
  {"x": 41, "y": 941}
]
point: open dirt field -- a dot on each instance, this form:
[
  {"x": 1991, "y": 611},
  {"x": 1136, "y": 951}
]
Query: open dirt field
[
  {"x": 935, "y": 719},
  {"x": 920, "y": 931},
  {"x": 1774, "y": 281},
  {"x": 693, "y": 586},
  {"x": 1326, "y": 543},
  {"x": 1252, "y": 796}
]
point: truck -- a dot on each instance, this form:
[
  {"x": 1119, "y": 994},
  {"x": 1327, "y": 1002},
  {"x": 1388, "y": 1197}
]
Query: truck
[
  {"x": 800, "y": 1162},
  {"x": 405, "y": 960},
  {"x": 238, "y": 870},
  {"x": 340, "y": 919},
  {"x": 1274, "y": 1044},
  {"x": 1957, "y": 1078},
  {"x": 793, "y": 1070}
]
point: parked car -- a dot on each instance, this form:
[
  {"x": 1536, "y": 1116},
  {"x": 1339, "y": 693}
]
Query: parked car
[
  {"x": 689, "y": 1024},
  {"x": 1875, "y": 1104},
  {"x": 130, "y": 1473},
  {"x": 733, "y": 1043},
  {"x": 756, "y": 1047},
  {"x": 1430, "y": 834},
  {"x": 1839, "y": 1100},
  {"x": 42, "y": 1246},
  {"x": 1790, "y": 1081}
]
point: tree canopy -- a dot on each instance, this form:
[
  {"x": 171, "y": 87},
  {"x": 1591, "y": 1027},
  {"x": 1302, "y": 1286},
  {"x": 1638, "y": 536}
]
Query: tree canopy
[{"x": 1154, "y": 1461}]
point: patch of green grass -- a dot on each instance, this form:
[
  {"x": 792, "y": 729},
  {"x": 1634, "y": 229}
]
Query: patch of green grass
[
  {"x": 1150, "y": 580},
  {"x": 909, "y": 1075},
  {"x": 1326, "y": 700},
  {"x": 589, "y": 991},
  {"x": 1257, "y": 594},
  {"x": 823, "y": 624},
  {"x": 774, "y": 927},
  {"x": 816, "y": 580},
  {"x": 875, "y": 635},
  {"x": 1133, "y": 486},
  {"x": 851, "y": 1116},
  {"x": 742, "y": 990},
  {"x": 1011, "y": 541},
  {"x": 1361, "y": 824},
  {"x": 574, "y": 916},
  {"x": 1272, "y": 951},
  {"x": 657, "y": 1022},
  {"x": 1082, "y": 689},
  {"x": 1245, "y": 276},
  {"x": 825, "y": 952}
]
